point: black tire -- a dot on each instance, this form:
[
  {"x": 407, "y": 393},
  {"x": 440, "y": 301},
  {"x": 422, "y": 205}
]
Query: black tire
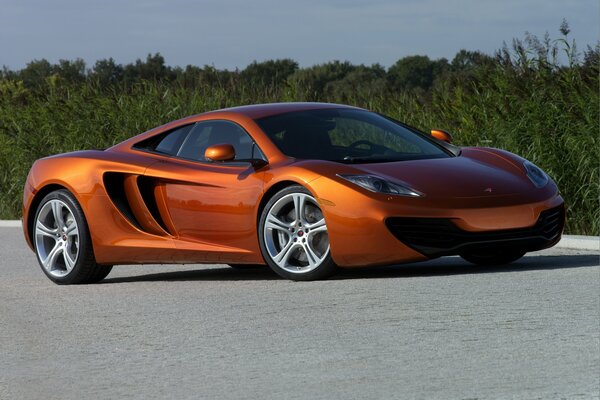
[
  {"x": 85, "y": 269},
  {"x": 493, "y": 258},
  {"x": 324, "y": 269},
  {"x": 101, "y": 272},
  {"x": 246, "y": 266}
]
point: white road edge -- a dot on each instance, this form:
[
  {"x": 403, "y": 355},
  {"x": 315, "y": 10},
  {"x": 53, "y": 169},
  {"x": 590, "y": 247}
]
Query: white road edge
[
  {"x": 10, "y": 223},
  {"x": 574, "y": 242}
]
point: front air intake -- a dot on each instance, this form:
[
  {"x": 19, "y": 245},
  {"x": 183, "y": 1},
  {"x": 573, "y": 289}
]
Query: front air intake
[{"x": 440, "y": 236}]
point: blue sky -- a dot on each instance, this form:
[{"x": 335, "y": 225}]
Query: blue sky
[{"x": 230, "y": 34}]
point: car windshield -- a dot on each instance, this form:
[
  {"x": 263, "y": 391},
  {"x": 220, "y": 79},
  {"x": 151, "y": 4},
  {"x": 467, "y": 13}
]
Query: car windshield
[{"x": 347, "y": 136}]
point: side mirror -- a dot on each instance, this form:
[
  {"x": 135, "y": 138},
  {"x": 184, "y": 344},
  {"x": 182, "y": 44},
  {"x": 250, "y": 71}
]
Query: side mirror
[
  {"x": 220, "y": 152},
  {"x": 441, "y": 135}
]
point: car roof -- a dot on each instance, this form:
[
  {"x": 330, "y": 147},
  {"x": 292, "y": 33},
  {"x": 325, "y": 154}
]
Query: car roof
[{"x": 256, "y": 111}]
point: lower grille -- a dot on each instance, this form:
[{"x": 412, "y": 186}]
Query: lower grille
[{"x": 440, "y": 236}]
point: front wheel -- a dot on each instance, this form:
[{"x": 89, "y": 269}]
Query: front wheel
[
  {"x": 62, "y": 241},
  {"x": 293, "y": 236},
  {"x": 493, "y": 258}
]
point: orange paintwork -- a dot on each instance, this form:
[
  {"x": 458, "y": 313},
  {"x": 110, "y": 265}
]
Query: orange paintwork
[
  {"x": 220, "y": 152},
  {"x": 441, "y": 135},
  {"x": 208, "y": 212}
]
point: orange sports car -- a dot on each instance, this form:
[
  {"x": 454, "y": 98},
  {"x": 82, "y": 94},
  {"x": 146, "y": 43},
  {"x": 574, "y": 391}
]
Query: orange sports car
[{"x": 304, "y": 188}]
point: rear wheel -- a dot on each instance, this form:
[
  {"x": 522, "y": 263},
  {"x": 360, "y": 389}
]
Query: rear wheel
[
  {"x": 293, "y": 236},
  {"x": 62, "y": 241},
  {"x": 493, "y": 257}
]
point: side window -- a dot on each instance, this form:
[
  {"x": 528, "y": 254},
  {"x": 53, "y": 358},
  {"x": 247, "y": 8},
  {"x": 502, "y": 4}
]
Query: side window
[
  {"x": 208, "y": 133},
  {"x": 166, "y": 143}
]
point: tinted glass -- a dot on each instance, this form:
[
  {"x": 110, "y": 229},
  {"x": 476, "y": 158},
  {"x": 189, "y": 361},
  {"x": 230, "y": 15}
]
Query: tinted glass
[
  {"x": 209, "y": 133},
  {"x": 167, "y": 143},
  {"x": 346, "y": 136}
]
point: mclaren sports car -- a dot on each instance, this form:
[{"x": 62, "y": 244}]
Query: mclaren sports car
[{"x": 303, "y": 188}]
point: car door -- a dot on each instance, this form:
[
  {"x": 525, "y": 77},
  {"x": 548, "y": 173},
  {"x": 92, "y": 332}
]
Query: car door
[{"x": 209, "y": 206}]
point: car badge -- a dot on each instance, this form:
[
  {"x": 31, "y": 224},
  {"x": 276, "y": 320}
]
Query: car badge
[{"x": 489, "y": 190}]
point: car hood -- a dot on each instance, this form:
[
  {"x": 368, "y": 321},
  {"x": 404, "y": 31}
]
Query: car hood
[{"x": 457, "y": 177}]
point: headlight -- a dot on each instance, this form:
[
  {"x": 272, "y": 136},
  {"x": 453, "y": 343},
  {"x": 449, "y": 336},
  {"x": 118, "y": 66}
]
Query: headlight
[
  {"x": 380, "y": 185},
  {"x": 535, "y": 174}
]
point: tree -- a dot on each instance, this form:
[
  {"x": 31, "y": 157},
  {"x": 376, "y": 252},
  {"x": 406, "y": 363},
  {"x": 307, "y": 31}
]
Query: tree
[
  {"x": 311, "y": 82},
  {"x": 415, "y": 72},
  {"x": 361, "y": 83},
  {"x": 466, "y": 60},
  {"x": 153, "y": 69},
  {"x": 271, "y": 72},
  {"x": 107, "y": 72},
  {"x": 36, "y": 72},
  {"x": 71, "y": 71}
]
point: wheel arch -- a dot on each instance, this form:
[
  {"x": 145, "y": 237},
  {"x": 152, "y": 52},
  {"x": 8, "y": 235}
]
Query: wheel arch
[
  {"x": 37, "y": 199},
  {"x": 270, "y": 192}
]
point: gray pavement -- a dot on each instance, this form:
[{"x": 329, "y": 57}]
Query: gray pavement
[{"x": 436, "y": 330}]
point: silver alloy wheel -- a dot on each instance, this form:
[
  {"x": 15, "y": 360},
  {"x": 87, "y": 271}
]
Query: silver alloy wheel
[
  {"x": 295, "y": 233},
  {"x": 57, "y": 238}
]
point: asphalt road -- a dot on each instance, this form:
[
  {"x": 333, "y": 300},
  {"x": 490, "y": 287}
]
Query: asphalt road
[{"x": 436, "y": 330}]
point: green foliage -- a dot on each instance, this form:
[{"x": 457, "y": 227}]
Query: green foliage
[
  {"x": 106, "y": 72},
  {"x": 311, "y": 84},
  {"x": 522, "y": 99},
  {"x": 35, "y": 73},
  {"x": 268, "y": 73},
  {"x": 153, "y": 69},
  {"x": 466, "y": 60},
  {"x": 416, "y": 72}
]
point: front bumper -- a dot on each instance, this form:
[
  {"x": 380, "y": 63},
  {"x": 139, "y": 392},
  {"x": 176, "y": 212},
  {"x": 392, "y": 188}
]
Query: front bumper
[
  {"x": 368, "y": 229},
  {"x": 436, "y": 237}
]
